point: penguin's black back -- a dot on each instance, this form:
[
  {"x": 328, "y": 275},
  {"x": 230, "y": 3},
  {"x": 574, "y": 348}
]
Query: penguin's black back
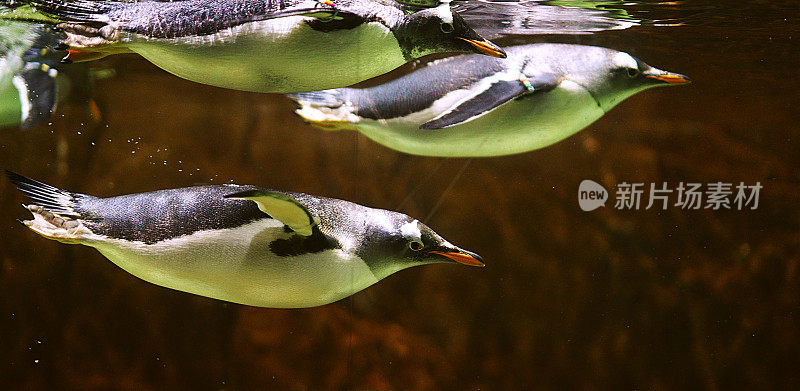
[
  {"x": 193, "y": 17},
  {"x": 187, "y": 18},
  {"x": 417, "y": 91},
  {"x": 166, "y": 214}
]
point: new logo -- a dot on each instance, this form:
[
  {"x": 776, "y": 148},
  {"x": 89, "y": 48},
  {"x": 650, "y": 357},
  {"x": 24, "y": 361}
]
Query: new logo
[{"x": 591, "y": 195}]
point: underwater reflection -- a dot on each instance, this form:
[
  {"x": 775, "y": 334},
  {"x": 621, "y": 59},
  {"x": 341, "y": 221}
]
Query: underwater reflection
[
  {"x": 34, "y": 81},
  {"x": 29, "y": 80},
  {"x": 234, "y": 44},
  {"x": 495, "y": 19},
  {"x": 469, "y": 105}
]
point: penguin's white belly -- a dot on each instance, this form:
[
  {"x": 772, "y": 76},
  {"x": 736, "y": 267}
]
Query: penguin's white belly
[
  {"x": 518, "y": 126},
  {"x": 237, "y": 265},
  {"x": 279, "y": 55}
]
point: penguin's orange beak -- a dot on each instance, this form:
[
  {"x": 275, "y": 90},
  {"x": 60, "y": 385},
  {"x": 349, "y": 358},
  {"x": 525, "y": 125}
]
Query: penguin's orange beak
[
  {"x": 464, "y": 258},
  {"x": 485, "y": 47},
  {"x": 671, "y": 78}
]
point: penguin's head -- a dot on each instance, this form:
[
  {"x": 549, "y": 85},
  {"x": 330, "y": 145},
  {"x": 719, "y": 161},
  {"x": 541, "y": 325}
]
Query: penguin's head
[
  {"x": 394, "y": 241},
  {"x": 611, "y": 76},
  {"x": 441, "y": 30}
]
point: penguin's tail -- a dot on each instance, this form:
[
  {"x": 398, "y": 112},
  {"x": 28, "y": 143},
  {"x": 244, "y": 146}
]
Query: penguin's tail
[
  {"x": 50, "y": 197},
  {"x": 328, "y": 98},
  {"x": 327, "y": 109},
  {"x": 53, "y": 209}
]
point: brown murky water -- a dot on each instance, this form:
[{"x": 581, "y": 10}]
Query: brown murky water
[{"x": 645, "y": 299}]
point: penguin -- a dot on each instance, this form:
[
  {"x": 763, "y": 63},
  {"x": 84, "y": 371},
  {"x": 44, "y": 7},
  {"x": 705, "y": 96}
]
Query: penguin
[
  {"x": 242, "y": 244},
  {"x": 29, "y": 84},
  {"x": 264, "y": 46},
  {"x": 473, "y": 106}
]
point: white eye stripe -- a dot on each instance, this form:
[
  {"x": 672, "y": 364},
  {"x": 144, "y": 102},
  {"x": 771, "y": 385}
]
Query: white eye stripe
[
  {"x": 623, "y": 59},
  {"x": 411, "y": 229},
  {"x": 445, "y": 12}
]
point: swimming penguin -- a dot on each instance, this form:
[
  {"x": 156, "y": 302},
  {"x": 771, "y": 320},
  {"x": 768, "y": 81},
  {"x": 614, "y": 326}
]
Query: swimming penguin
[
  {"x": 242, "y": 244},
  {"x": 264, "y": 46},
  {"x": 480, "y": 106}
]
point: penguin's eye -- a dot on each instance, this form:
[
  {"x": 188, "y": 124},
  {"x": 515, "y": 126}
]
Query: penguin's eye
[
  {"x": 633, "y": 72},
  {"x": 447, "y": 28},
  {"x": 415, "y": 245}
]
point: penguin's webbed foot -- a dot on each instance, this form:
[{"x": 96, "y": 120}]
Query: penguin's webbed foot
[
  {"x": 331, "y": 126},
  {"x": 87, "y": 43},
  {"x": 330, "y": 4},
  {"x": 54, "y": 226}
]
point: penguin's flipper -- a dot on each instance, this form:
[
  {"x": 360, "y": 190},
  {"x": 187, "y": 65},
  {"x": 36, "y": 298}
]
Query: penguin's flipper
[
  {"x": 323, "y": 14},
  {"x": 496, "y": 95},
  {"x": 281, "y": 207},
  {"x": 319, "y": 13},
  {"x": 37, "y": 94}
]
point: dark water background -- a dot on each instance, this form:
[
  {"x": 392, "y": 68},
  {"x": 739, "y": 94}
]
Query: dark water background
[{"x": 569, "y": 299}]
